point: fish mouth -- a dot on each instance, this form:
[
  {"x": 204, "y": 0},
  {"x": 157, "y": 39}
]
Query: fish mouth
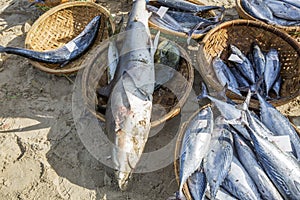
[{"x": 122, "y": 178}]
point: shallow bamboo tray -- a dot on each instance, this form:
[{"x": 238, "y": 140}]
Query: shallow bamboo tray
[
  {"x": 242, "y": 33},
  {"x": 94, "y": 76},
  {"x": 294, "y": 31},
  {"x": 180, "y": 34},
  {"x": 61, "y": 24}
]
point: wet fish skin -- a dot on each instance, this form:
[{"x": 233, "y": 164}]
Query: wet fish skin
[
  {"x": 258, "y": 9},
  {"x": 249, "y": 161},
  {"x": 284, "y": 10},
  {"x": 70, "y": 51},
  {"x": 259, "y": 60},
  {"x": 218, "y": 160},
  {"x": 197, "y": 184},
  {"x": 277, "y": 86},
  {"x": 239, "y": 183},
  {"x": 224, "y": 75},
  {"x": 272, "y": 69},
  {"x": 186, "y": 6},
  {"x": 130, "y": 101},
  {"x": 293, "y": 2},
  {"x": 113, "y": 59},
  {"x": 245, "y": 67},
  {"x": 282, "y": 168},
  {"x": 241, "y": 80},
  {"x": 278, "y": 124},
  {"x": 195, "y": 145}
]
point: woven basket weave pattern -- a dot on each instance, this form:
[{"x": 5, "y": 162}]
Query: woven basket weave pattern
[
  {"x": 61, "y": 24},
  {"x": 243, "y": 33}
]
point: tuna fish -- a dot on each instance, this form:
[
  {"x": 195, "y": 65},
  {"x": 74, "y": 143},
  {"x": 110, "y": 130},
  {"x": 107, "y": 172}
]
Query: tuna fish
[
  {"x": 197, "y": 184},
  {"x": 195, "y": 145},
  {"x": 259, "y": 60},
  {"x": 248, "y": 159},
  {"x": 272, "y": 69},
  {"x": 239, "y": 183},
  {"x": 63, "y": 55},
  {"x": 279, "y": 124},
  {"x": 218, "y": 160}
]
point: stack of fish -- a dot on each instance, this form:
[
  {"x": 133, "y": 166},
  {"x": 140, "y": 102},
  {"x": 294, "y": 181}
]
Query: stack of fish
[
  {"x": 280, "y": 12},
  {"x": 234, "y": 156},
  {"x": 259, "y": 71},
  {"x": 183, "y": 16}
]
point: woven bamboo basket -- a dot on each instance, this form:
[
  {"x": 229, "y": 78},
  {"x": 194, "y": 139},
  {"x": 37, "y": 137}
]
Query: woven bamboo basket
[
  {"x": 61, "y": 24},
  {"x": 95, "y": 76},
  {"x": 242, "y": 33},
  {"x": 180, "y": 34},
  {"x": 48, "y": 4},
  {"x": 181, "y": 133},
  {"x": 294, "y": 31}
]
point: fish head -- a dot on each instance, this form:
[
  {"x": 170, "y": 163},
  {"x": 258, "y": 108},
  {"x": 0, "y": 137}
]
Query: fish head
[{"x": 123, "y": 178}]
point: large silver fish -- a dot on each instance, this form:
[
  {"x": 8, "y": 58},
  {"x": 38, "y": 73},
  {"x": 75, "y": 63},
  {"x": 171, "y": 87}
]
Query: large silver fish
[
  {"x": 239, "y": 183},
  {"x": 284, "y": 10},
  {"x": 272, "y": 69},
  {"x": 195, "y": 144},
  {"x": 224, "y": 75},
  {"x": 259, "y": 60},
  {"x": 278, "y": 124},
  {"x": 218, "y": 160},
  {"x": 244, "y": 64},
  {"x": 248, "y": 159},
  {"x": 282, "y": 168},
  {"x": 130, "y": 102},
  {"x": 70, "y": 51}
]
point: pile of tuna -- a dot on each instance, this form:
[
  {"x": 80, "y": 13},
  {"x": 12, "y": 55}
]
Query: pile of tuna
[
  {"x": 280, "y": 12},
  {"x": 183, "y": 16},
  {"x": 258, "y": 71},
  {"x": 232, "y": 153}
]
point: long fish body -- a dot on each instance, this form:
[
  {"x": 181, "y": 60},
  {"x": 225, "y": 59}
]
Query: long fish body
[
  {"x": 186, "y": 6},
  {"x": 259, "y": 60},
  {"x": 130, "y": 102},
  {"x": 239, "y": 183},
  {"x": 284, "y": 10},
  {"x": 248, "y": 159},
  {"x": 282, "y": 168},
  {"x": 70, "y": 51},
  {"x": 272, "y": 69},
  {"x": 218, "y": 160},
  {"x": 278, "y": 124},
  {"x": 195, "y": 145},
  {"x": 258, "y": 9}
]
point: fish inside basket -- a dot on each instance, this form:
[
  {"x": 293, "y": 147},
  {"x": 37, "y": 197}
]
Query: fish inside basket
[
  {"x": 242, "y": 34},
  {"x": 167, "y": 99},
  {"x": 60, "y": 25}
]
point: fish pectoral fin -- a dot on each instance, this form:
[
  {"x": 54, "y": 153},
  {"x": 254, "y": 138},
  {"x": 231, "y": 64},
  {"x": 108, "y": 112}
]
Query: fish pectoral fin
[{"x": 155, "y": 43}]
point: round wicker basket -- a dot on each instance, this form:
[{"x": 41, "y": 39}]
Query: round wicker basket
[
  {"x": 242, "y": 33},
  {"x": 294, "y": 31},
  {"x": 48, "y": 4},
  {"x": 61, "y": 24},
  {"x": 181, "y": 133},
  {"x": 95, "y": 76},
  {"x": 180, "y": 34}
]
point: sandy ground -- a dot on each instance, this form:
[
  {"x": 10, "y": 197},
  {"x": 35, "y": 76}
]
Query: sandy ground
[{"x": 41, "y": 155}]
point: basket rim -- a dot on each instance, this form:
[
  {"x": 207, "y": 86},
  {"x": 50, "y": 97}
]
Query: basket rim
[
  {"x": 256, "y": 24},
  {"x": 181, "y": 34},
  {"x": 52, "y": 11},
  {"x": 244, "y": 14},
  {"x": 175, "y": 109}
]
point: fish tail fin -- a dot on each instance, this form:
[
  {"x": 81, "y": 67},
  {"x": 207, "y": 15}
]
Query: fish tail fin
[
  {"x": 204, "y": 93},
  {"x": 2, "y": 49}
]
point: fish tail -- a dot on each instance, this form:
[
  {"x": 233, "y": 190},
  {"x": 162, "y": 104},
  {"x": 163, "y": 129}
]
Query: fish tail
[
  {"x": 204, "y": 93},
  {"x": 2, "y": 49}
]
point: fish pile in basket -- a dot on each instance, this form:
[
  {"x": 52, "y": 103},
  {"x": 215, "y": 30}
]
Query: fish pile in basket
[
  {"x": 280, "y": 12},
  {"x": 258, "y": 71},
  {"x": 235, "y": 154}
]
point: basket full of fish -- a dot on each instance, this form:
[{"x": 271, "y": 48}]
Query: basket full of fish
[
  {"x": 228, "y": 151},
  {"x": 48, "y": 4},
  {"x": 184, "y": 18},
  {"x": 284, "y": 14},
  {"x": 60, "y": 39},
  {"x": 244, "y": 54}
]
